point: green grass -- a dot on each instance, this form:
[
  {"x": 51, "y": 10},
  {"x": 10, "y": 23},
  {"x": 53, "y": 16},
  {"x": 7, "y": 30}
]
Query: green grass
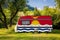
[
  {"x": 30, "y": 36},
  {"x": 9, "y": 34}
]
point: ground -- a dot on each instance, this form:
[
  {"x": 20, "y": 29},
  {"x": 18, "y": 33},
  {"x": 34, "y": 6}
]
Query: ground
[
  {"x": 30, "y": 36},
  {"x": 9, "y": 34}
]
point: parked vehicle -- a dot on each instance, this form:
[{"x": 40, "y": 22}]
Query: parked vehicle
[{"x": 34, "y": 23}]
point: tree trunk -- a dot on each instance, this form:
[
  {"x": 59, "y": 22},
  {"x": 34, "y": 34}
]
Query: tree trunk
[
  {"x": 4, "y": 21},
  {"x": 10, "y": 22},
  {"x": 13, "y": 17}
]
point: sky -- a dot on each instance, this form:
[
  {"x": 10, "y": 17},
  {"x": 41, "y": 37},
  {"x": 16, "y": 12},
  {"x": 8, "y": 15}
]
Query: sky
[{"x": 39, "y": 4}]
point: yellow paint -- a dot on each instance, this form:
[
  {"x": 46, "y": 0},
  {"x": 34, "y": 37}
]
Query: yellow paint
[{"x": 35, "y": 22}]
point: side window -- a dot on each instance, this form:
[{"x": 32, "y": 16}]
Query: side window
[{"x": 25, "y": 22}]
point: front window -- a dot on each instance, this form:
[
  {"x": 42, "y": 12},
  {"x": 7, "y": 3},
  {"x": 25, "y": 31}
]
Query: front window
[{"x": 25, "y": 22}]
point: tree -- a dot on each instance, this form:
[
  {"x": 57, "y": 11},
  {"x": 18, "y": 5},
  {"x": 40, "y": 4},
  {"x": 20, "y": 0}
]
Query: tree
[
  {"x": 36, "y": 12},
  {"x": 15, "y": 6},
  {"x": 1, "y": 12},
  {"x": 58, "y": 12},
  {"x": 46, "y": 10},
  {"x": 57, "y": 3},
  {"x": 25, "y": 10}
]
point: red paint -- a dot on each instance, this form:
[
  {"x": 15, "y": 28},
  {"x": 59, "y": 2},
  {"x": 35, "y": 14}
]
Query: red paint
[
  {"x": 48, "y": 20},
  {"x": 39, "y": 18}
]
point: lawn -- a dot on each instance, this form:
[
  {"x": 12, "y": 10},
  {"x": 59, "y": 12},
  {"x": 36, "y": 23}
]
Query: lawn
[
  {"x": 30, "y": 36},
  {"x": 9, "y": 34}
]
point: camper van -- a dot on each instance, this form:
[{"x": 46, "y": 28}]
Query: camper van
[{"x": 34, "y": 24}]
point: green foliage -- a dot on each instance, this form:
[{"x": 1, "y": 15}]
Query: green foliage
[
  {"x": 30, "y": 13},
  {"x": 57, "y": 3},
  {"x": 9, "y": 13},
  {"x": 0, "y": 15},
  {"x": 17, "y": 4},
  {"x": 0, "y": 25},
  {"x": 36, "y": 12},
  {"x": 25, "y": 10},
  {"x": 2, "y": 1}
]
